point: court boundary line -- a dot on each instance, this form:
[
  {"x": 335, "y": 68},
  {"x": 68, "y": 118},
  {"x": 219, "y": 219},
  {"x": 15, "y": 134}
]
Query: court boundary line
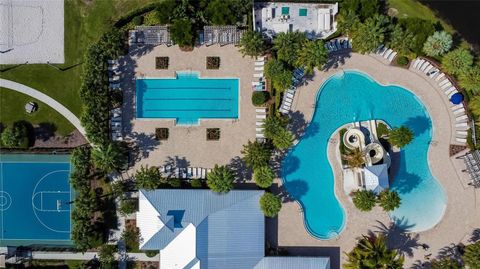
[
  {"x": 41, "y": 201},
  {"x": 33, "y": 206}
]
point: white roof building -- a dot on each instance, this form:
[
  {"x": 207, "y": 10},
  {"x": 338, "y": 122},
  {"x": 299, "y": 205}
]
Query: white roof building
[
  {"x": 200, "y": 229},
  {"x": 376, "y": 178},
  {"x": 316, "y": 20}
]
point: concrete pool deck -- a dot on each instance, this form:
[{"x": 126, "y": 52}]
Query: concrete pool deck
[
  {"x": 461, "y": 215},
  {"x": 187, "y": 145}
]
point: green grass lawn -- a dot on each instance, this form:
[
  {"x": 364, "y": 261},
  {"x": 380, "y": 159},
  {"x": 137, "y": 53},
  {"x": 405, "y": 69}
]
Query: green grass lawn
[
  {"x": 16, "y": 101},
  {"x": 415, "y": 9},
  {"x": 85, "y": 22}
]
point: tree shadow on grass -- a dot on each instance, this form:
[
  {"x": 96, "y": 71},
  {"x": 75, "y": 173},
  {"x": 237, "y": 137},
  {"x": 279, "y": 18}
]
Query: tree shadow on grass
[{"x": 45, "y": 130}]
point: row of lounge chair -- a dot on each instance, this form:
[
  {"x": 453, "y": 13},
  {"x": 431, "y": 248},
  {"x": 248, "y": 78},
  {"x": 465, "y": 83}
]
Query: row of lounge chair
[
  {"x": 287, "y": 100},
  {"x": 258, "y": 83},
  {"x": 115, "y": 114},
  {"x": 261, "y": 115},
  {"x": 337, "y": 45},
  {"x": 186, "y": 173},
  {"x": 428, "y": 69},
  {"x": 386, "y": 53},
  {"x": 116, "y": 124}
]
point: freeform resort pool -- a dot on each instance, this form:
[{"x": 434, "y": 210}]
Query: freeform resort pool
[
  {"x": 187, "y": 98},
  {"x": 308, "y": 177},
  {"x": 35, "y": 197}
]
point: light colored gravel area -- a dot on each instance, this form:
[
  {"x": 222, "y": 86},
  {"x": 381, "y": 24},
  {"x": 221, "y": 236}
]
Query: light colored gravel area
[
  {"x": 31, "y": 31},
  {"x": 462, "y": 214},
  {"x": 187, "y": 145}
]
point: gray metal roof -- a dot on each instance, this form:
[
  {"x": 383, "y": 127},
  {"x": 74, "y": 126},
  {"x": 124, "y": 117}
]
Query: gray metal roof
[{"x": 294, "y": 263}]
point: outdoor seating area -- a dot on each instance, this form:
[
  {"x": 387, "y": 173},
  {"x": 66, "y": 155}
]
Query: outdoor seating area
[
  {"x": 472, "y": 162},
  {"x": 287, "y": 100},
  {"x": 222, "y": 35},
  {"x": 338, "y": 45},
  {"x": 386, "y": 53},
  {"x": 258, "y": 83},
  {"x": 261, "y": 115},
  {"x": 114, "y": 78},
  {"x": 429, "y": 69},
  {"x": 170, "y": 171},
  {"x": 149, "y": 35}
]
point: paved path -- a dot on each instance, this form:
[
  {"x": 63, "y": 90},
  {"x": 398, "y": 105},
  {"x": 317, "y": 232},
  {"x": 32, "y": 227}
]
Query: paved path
[
  {"x": 46, "y": 99},
  {"x": 50, "y": 255}
]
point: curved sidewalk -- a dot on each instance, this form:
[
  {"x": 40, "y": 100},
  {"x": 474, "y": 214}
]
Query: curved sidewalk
[{"x": 45, "y": 99}]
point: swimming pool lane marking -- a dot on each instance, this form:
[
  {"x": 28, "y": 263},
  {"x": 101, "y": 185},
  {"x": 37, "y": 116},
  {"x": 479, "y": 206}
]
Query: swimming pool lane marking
[{"x": 33, "y": 205}]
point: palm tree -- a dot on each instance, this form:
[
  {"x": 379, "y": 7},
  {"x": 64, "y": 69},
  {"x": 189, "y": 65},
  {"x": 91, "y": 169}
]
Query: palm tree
[
  {"x": 270, "y": 204},
  {"x": 252, "y": 44},
  {"x": 108, "y": 158},
  {"x": 220, "y": 179},
  {"x": 355, "y": 159},
  {"x": 312, "y": 54},
  {"x": 364, "y": 200},
  {"x": 372, "y": 252},
  {"x": 263, "y": 176},
  {"x": 370, "y": 34},
  {"x": 256, "y": 154},
  {"x": 389, "y": 200},
  {"x": 400, "y": 137},
  {"x": 148, "y": 178},
  {"x": 402, "y": 41},
  {"x": 283, "y": 139},
  {"x": 457, "y": 61},
  {"x": 347, "y": 21},
  {"x": 470, "y": 79},
  {"x": 287, "y": 46}
]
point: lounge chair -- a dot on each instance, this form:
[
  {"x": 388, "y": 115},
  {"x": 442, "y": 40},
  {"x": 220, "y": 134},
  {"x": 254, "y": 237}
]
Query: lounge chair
[
  {"x": 260, "y": 59},
  {"x": 111, "y": 62},
  {"x": 259, "y": 130},
  {"x": 449, "y": 90},
  {"x": 423, "y": 66},
  {"x": 442, "y": 75},
  {"x": 420, "y": 63},
  {"x": 258, "y": 123},
  {"x": 462, "y": 133},
  {"x": 194, "y": 172},
  {"x": 443, "y": 82},
  {"x": 282, "y": 110},
  {"x": 261, "y": 116},
  {"x": 415, "y": 63},
  {"x": 259, "y": 63},
  {"x": 112, "y": 68},
  {"x": 379, "y": 48},
  {"x": 461, "y": 140},
  {"x": 256, "y": 83},
  {"x": 204, "y": 173},
  {"x": 451, "y": 94},
  {"x": 257, "y": 135},
  {"x": 264, "y": 110},
  {"x": 433, "y": 73},
  {"x": 258, "y": 68},
  {"x": 258, "y": 75},
  {"x": 455, "y": 107},
  {"x": 446, "y": 85},
  {"x": 461, "y": 118},
  {"x": 462, "y": 126},
  {"x": 189, "y": 172},
  {"x": 427, "y": 70},
  {"x": 337, "y": 44},
  {"x": 387, "y": 54},
  {"x": 392, "y": 56}
]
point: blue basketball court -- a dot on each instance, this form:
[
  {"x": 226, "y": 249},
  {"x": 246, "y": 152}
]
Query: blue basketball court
[{"x": 35, "y": 196}]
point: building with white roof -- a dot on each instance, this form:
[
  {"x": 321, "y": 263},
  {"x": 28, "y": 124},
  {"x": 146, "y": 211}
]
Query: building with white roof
[
  {"x": 316, "y": 20},
  {"x": 202, "y": 229}
]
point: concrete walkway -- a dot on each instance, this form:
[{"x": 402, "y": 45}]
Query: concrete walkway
[
  {"x": 45, "y": 99},
  {"x": 50, "y": 255}
]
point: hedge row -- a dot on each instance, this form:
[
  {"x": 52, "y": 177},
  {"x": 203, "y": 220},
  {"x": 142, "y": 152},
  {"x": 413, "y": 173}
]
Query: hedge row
[{"x": 124, "y": 20}]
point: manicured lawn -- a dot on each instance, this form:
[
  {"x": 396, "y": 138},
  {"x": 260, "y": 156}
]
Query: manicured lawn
[
  {"x": 15, "y": 102},
  {"x": 414, "y": 9},
  {"x": 85, "y": 22}
]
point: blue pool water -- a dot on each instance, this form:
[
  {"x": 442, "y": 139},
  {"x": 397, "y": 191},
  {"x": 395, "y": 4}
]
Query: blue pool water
[
  {"x": 187, "y": 98},
  {"x": 34, "y": 199},
  {"x": 353, "y": 96}
]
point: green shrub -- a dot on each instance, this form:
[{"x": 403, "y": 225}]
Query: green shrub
[
  {"x": 382, "y": 129},
  {"x": 16, "y": 136},
  {"x": 151, "y": 253},
  {"x": 364, "y": 200},
  {"x": 270, "y": 204},
  {"x": 175, "y": 182},
  {"x": 457, "y": 61},
  {"x": 220, "y": 179},
  {"x": 148, "y": 178},
  {"x": 138, "y": 20},
  {"x": 128, "y": 206},
  {"x": 196, "y": 183},
  {"x": 389, "y": 200},
  {"x": 263, "y": 176},
  {"x": 400, "y": 137},
  {"x": 402, "y": 60},
  {"x": 151, "y": 18},
  {"x": 471, "y": 257},
  {"x": 256, "y": 154},
  {"x": 131, "y": 237},
  {"x": 437, "y": 44},
  {"x": 260, "y": 97},
  {"x": 181, "y": 33},
  {"x": 124, "y": 20}
]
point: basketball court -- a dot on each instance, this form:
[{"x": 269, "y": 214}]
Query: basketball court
[{"x": 35, "y": 199}]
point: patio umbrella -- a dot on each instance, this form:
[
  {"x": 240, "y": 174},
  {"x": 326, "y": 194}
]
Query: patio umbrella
[{"x": 457, "y": 98}]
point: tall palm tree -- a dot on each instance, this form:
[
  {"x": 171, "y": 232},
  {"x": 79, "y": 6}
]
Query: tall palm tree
[
  {"x": 312, "y": 54},
  {"x": 108, "y": 158},
  {"x": 287, "y": 45},
  {"x": 355, "y": 159},
  {"x": 372, "y": 252},
  {"x": 252, "y": 44}
]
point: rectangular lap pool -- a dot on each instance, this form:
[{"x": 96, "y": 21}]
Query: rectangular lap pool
[
  {"x": 187, "y": 98},
  {"x": 35, "y": 197}
]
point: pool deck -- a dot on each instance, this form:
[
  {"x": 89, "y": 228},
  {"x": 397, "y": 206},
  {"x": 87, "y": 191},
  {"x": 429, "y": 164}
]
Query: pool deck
[
  {"x": 462, "y": 214},
  {"x": 187, "y": 145}
]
